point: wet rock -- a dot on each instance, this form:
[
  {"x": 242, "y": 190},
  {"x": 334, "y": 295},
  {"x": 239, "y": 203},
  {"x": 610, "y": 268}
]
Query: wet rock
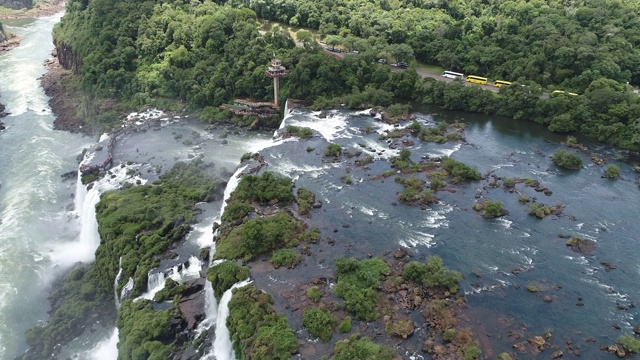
[
  {"x": 399, "y": 254},
  {"x": 582, "y": 246},
  {"x": 322, "y": 115},
  {"x": 608, "y": 266},
  {"x": 520, "y": 347},
  {"x": 617, "y": 349},
  {"x": 556, "y": 354},
  {"x": 537, "y": 341},
  {"x": 637, "y": 330},
  {"x": 192, "y": 303},
  {"x": 69, "y": 175},
  {"x": 548, "y": 299},
  {"x": 616, "y": 326}
]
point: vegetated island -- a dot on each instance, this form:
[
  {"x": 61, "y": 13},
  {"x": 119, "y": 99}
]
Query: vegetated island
[{"x": 375, "y": 303}]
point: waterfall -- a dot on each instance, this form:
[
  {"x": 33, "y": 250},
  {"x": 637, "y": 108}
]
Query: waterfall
[
  {"x": 89, "y": 238},
  {"x": 107, "y": 349},
  {"x": 115, "y": 284},
  {"x": 210, "y": 310},
  {"x": 155, "y": 283},
  {"x": 222, "y": 347},
  {"x": 126, "y": 289}
]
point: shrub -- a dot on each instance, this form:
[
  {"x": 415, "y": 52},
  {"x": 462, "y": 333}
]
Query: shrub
[
  {"x": 236, "y": 211},
  {"x": 171, "y": 289},
  {"x": 264, "y": 189},
  {"x": 319, "y": 323},
  {"x": 449, "y": 335},
  {"x": 433, "y": 274},
  {"x": 398, "y": 109},
  {"x": 612, "y": 171},
  {"x": 566, "y": 159},
  {"x": 312, "y": 235},
  {"x": 471, "y": 353},
  {"x": 142, "y": 329},
  {"x": 365, "y": 161},
  {"x": 333, "y": 150},
  {"x": 224, "y": 275},
  {"x": 360, "y": 348},
  {"x": 245, "y": 157},
  {"x": 415, "y": 127},
  {"x": 345, "y": 325},
  {"x": 314, "y": 294},
  {"x": 542, "y": 210},
  {"x": 356, "y": 284},
  {"x": 459, "y": 170},
  {"x": 493, "y": 209},
  {"x": 630, "y": 343},
  {"x": 259, "y": 235},
  {"x": 301, "y": 132},
  {"x": 258, "y": 331},
  {"x": 508, "y": 182},
  {"x": 306, "y": 199},
  {"x": 532, "y": 287},
  {"x": 285, "y": 257}
]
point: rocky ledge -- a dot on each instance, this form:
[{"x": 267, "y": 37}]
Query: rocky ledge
[
  {"x": 61, "y": 101},
  {"x": 10, "y": 44},
  {"x": 2, "y": 114}
]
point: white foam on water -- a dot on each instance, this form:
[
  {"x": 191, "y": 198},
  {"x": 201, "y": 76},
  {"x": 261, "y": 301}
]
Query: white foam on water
[
  {"x": 210, "y": 310},
  {"x": 106, "y": 349},
  {"x": 84, "y": 248},
  {"x": 504, "y": 222},
  {"x": 332, "y": 127},
  {"x": 442, "y": 151},
  {"x": 499, "y": 166},
  {"x": 417, "y": 238},
  {"x": 222, "y": 347}
]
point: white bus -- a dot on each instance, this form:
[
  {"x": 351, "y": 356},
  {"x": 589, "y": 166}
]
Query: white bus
[{"x": 452, "y": 75}]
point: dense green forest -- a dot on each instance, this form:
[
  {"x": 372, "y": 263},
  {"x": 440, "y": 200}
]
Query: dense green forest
[
  {"x": 203, "y": 54},
  {"x": 568, "y": 43}
]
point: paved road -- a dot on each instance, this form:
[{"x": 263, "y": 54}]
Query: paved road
[{"x": 421, "y": 72}]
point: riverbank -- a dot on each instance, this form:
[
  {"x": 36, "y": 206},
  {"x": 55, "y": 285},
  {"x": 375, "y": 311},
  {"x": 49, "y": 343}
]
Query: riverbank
[
  {"x": 64, "y": 97},
  {"x": 41, "y": 9}
]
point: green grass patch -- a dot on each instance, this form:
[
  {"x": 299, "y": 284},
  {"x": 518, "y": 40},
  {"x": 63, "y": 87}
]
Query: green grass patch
[{"x": 358, "y": 347}]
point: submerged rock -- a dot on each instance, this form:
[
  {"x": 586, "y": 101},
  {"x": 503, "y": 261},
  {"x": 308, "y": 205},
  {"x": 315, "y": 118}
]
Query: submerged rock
[{"x": 582, "y": 246}]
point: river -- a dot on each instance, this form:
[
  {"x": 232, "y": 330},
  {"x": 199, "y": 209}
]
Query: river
[{"x": 39, "y": 220}]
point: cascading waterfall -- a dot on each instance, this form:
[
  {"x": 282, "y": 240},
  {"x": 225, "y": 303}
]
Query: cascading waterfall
[
  {"x": 222, "y": 347},
  {"x": 210, "y": 309},
  {"x": 115, "y": 284}
]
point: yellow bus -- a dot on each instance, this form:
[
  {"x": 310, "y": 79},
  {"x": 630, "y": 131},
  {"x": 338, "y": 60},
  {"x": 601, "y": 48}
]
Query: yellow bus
[
  {"x": 499, "y": 83},
  {"x": 563, "y": 92},
  {"x": 477, "y": 79}
]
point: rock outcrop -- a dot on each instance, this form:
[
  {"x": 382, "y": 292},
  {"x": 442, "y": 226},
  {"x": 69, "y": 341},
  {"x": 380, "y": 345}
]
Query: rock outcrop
[
  {"x": 67, "y": 58},
  {"x": 192, "y": 303},
  {"x": 17, "y": 4}
]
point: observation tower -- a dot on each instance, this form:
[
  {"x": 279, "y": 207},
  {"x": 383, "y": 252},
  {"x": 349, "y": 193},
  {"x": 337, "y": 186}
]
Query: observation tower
[{"x": 276, "y": 71}]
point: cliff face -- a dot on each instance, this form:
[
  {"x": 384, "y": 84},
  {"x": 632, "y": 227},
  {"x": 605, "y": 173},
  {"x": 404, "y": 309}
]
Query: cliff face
[
  {"x": 67, "y": 58},
  {"x": 17, "y": 4}
]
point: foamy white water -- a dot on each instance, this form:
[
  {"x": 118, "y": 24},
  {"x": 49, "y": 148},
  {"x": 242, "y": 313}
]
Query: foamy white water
[
  {"x": 84, "y": 248},
  {"x": 222, "y": 347}
]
